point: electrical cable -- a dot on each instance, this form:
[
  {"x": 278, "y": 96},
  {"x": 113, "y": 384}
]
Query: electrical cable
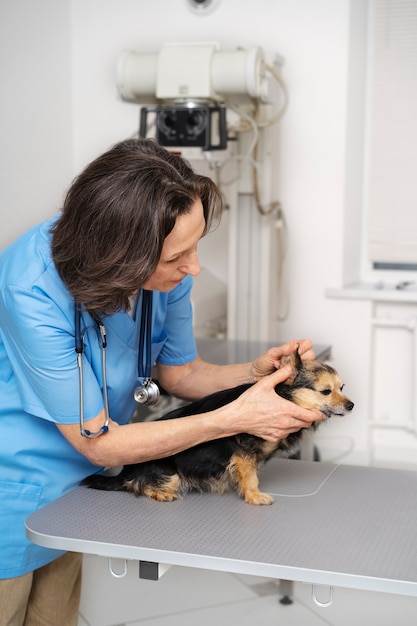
[{"x": 273, "y": 120}]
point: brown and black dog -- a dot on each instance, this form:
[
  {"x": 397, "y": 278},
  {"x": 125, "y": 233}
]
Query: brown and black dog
[{"x": 231, "y": 463}]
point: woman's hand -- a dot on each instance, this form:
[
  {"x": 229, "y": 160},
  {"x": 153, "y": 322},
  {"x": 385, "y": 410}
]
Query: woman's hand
[
  {"x": 261, "y": 412},
  {"x": 270, "y": 361}
]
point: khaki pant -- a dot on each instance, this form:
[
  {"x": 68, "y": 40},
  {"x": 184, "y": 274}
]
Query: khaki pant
[{"x": 49, "y": 596}]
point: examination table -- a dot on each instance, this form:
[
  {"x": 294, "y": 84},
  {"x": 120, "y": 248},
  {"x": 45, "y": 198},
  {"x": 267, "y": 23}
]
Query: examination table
[{"x": 333, "y": 525}]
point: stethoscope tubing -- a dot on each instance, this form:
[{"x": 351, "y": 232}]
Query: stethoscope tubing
[
  {"x": 145, "y": 336},
  {"x": 79, "y": 348},
  {"x": 147, "y": 392}
]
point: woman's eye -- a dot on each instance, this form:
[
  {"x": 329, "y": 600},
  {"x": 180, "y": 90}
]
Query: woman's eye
[{"x": 326, "y": 392}]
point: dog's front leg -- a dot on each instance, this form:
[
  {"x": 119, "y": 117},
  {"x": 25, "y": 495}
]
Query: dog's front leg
[{"x": 244, "y": 468}]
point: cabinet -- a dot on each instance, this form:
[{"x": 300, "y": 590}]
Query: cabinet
[{"x": 392, "y": 412}]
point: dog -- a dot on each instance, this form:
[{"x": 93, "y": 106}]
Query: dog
[{"x": 231, "y": 463}]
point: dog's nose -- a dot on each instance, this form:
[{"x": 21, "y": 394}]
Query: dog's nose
[{"x": 349, "y": 405}]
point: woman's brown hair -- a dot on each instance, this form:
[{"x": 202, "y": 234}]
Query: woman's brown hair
[{"x": 116, "y": 215}]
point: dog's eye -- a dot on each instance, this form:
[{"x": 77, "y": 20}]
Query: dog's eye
[
  {"x": 342, "y": 387},
  {"x": 326, "y": 392}
]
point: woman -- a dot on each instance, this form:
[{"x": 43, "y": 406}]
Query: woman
[{"x": 130, "y": 225}]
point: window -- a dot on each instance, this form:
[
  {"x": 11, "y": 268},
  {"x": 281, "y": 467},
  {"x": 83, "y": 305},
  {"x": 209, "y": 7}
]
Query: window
[{"x": 391, "y": 194}]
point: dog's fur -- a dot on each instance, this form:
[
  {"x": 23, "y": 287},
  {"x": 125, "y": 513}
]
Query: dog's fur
[{"x": 231, "y": 463}]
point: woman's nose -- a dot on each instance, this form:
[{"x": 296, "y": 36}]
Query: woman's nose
[{"x": 192, "y": 266}]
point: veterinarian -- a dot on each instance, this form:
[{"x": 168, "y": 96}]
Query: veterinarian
[{"x": 69, "y": 288}]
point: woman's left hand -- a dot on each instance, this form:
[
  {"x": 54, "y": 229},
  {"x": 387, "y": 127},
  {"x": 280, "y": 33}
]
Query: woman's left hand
[{"x": 271, "y": 360}]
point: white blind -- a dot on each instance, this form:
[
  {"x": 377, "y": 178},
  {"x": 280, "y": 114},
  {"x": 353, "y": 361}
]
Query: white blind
[{"x": 393, "y": 134}]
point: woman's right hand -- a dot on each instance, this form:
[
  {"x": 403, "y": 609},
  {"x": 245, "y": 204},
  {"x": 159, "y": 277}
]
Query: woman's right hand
[{"x": 261, "y": 412}]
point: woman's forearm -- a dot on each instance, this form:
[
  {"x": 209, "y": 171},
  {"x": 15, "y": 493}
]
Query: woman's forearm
[
  {"x": 199, "y": 378},
  {"x": 194, "y": 380}
]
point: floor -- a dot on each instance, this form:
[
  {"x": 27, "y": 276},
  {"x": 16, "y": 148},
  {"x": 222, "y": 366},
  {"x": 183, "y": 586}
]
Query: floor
[{"x": 186, "y": 597}]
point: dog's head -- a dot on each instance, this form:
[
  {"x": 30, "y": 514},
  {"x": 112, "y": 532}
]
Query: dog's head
[{"x": 314, "y": 385}]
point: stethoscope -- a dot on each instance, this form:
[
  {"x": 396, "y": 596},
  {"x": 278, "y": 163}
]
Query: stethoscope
[{"x": 147, "y": 392}]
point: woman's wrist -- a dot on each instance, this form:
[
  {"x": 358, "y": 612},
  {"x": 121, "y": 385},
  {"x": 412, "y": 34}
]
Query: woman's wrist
[{"x": 253, "y": 375}]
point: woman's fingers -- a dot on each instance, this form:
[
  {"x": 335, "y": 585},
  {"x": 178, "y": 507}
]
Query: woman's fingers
[{"x": 270, "y": 360}]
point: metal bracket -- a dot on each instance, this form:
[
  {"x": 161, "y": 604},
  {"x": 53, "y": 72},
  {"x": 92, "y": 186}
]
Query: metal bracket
[{"x": 152, "y": 571}]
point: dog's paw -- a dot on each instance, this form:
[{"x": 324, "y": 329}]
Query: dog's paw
[
  {"x": 258, "y": 498},
  {"x": 160, "y": 495},
  {"x": 166, "y": 492}
]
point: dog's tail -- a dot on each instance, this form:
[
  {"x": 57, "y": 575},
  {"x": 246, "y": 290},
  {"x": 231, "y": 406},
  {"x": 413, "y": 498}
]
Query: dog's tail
[{"x": 105, "y": 483}]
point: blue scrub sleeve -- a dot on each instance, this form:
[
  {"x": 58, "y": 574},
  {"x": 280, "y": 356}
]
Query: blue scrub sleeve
[
  {"x": 179, "y": 346},
  {"x": 39, "y": 340}
]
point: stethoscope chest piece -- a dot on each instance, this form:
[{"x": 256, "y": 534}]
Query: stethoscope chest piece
[{"x": 147, "y": 393}]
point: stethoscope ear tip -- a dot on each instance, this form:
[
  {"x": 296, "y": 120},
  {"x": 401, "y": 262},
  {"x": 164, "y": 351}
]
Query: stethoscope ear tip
[{"x": 90, "y": 435}]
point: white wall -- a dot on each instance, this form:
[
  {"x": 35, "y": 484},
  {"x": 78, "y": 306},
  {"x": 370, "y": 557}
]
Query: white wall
[
  {"x": 36, "y": 111},
  {"x": 65, "y": 111}
]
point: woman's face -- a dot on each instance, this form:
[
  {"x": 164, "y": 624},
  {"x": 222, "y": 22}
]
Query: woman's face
[{"x": 179, "y": 252}]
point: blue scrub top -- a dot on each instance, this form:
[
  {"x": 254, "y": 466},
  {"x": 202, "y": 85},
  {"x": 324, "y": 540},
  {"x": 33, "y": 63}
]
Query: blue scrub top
[{"x": 39, "y": 383}]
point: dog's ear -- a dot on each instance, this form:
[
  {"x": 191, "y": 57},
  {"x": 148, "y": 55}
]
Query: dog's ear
[{"x": 294, "y": 360}]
